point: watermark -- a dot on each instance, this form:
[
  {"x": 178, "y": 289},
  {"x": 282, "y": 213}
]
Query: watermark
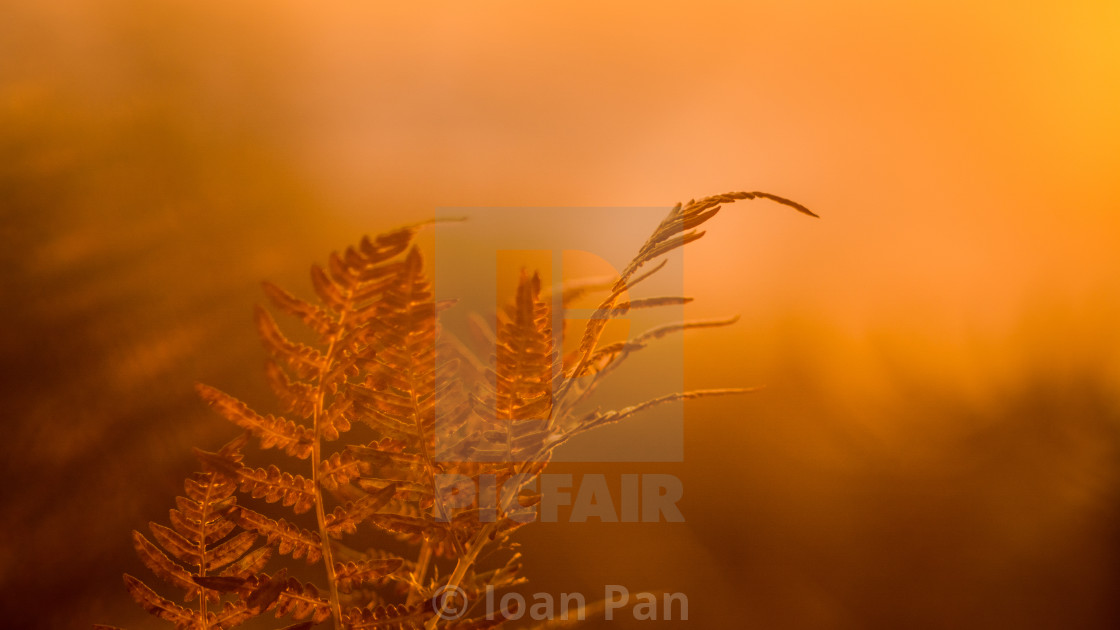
[
  {"x": 451, "y": 603},
  {"x": 477, "y": 265},
  {"x": 629, "y": 498}
]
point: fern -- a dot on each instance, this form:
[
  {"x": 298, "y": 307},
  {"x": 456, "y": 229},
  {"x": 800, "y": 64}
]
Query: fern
[
  {"x": 203, "y": 543},
  {"x": 381, "y": 360}
]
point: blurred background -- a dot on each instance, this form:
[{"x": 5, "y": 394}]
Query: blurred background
[{"x": 938, "y": 442}]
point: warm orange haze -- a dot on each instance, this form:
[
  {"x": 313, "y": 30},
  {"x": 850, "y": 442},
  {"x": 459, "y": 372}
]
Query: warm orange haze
[{"x": 936, "y": 440}]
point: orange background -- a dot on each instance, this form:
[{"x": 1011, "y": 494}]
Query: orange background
[{"x": 938, "y": 442}]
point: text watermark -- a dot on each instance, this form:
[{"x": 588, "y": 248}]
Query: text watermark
[
  {"x": 634, "y": 498},
  {"x": 452, "y": 603}
]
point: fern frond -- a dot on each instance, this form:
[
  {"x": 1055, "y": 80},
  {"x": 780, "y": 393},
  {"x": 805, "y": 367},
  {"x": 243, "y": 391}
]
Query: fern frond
[
  {"x": 401, "y": 387},
  {"x": 610, "y": 356},
  {"x": 409, "y": 525},
  {"x": 391, "y": 617},
  {"x": 524, "y": 378},
  {"x": 228, "y": 551},
  {"x": 285, "y": 537},
  {"x": 477, "y": 623},
  {"x": 387, "y": 457},
  {"x": 292, "y": 438},
  {"x": 676, "y": 230},
  {"x": 380, "y": 365},
  {"x": 301, "y": 601},
  {"x": 250, "y": 563},
  {"x": 299, "y": 397},
  {"x": 653, "y": 334},
  {"x": 162, "y": 566},
  {"x": 526, "y": 359},
  {"x": 352, "y": 574},
  {"x": 625, "y": 306},
  {"x": 413, "y": 491},
  {"x": 335, "y": 419},
  {"x": 345, "y": 519},
  {"x": 232, "y": 614},
  {"x": 314, "y": 316},
  {"x": 200, "y": 542},
  {"x": 342, "y": 467},
  {"x": 158, "y": 606},
  {"x": 176, "y": 544},
  {"x": 271, "y": 484},
  {"x": 303, "y": 360},
  {"x": 602, "y": 418}
]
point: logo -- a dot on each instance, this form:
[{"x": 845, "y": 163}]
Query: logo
[
  {"x": 477, "y": 264},
  {"x": 450, "y": 602}
]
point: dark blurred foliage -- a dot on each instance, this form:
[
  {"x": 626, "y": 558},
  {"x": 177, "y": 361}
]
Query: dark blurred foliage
[
  {"x": 903, "y": 505},
  {"x": 138, "y": 220}
]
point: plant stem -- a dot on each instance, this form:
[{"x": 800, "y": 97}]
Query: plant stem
[
  {"x": 316, "y": 457},
  {"x": 422, "y": 563},
  {"x": 466, "y": 561},
  {"x": 328, "y": 556}
]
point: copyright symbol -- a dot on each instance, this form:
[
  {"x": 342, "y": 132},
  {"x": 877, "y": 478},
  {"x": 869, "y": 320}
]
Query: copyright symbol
[{"x": 450, "y": 602}]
